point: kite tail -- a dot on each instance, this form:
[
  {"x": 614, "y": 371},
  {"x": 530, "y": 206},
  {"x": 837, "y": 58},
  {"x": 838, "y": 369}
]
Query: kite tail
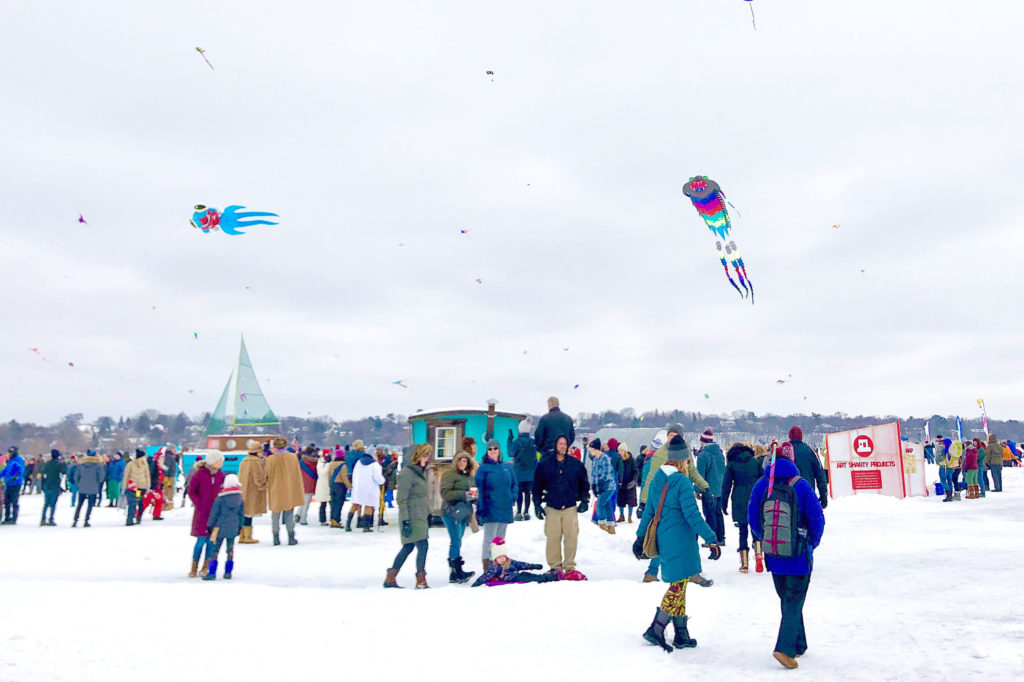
[
  {"x": 743, "y": 269},
  {"x": 732, "y": 281}
]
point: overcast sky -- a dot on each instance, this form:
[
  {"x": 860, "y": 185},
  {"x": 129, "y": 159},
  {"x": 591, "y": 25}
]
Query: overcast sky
[{"x": 372, "y": 129}]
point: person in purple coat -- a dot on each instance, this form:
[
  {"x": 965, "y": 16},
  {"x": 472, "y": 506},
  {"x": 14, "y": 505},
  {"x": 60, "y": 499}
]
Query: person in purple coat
[
  {"x": 203, "y": 488},
  {"x": 791, "y": 575}
]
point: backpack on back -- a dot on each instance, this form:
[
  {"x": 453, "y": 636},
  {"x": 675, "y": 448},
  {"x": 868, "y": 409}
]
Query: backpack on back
[{"x": 780, "y": 520}]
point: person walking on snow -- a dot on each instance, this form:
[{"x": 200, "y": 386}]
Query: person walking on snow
[
  {"x": 115, "y": 471},
  {"x": 136, "y": 482},
  {"x": 994, "y": 460},
  {"x": 741, "y": 473},
  {"x": 367, "y": 478},
  {"x": 252, "y": 478},
  {"x": 413, "y": 511},
  {"x": 89, "y": 478},
  {"x": 791, "y": 574},
  {"x": 337, "y": 475},
  {"x": 13, "y": 476},
  {"x": 355, "y": 453},
  {"x": 52, "y": 472},
  {"x": 496, "y": 483},
  {"x": 629, "y": 472},
  {"x": 809, "y": 464},
  {"x": 604, "y": 484},
  {"x": 679, "y": 525},
  {"x": 284, "y": 487},
  {"x": 224, "y": 524},
  {"x": 560, "y": 484},
  {"x": 322, "y": 491},
  {"x": 711, "y": 465},
  {"x": 206, "y": 483},
  {"x": 307, "y": 465}
]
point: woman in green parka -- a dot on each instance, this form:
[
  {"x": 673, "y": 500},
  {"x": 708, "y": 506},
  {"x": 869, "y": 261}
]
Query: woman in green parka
[{"x": 412, "y": 513}]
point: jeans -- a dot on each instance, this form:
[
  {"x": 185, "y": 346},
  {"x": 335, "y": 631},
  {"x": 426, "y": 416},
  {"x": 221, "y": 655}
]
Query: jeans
[
  {"x": 197, "y": 549},
  {"x": 11, "y": 503},
  {"x": 956, "y": 479},
  {"x": 91, "y": 499},
  {"x": 456, "y": 529},
  {"x": 213, "y": 548},
  {"x": 421, "y": 556},
  {"x": 50, "y": 502},
  {"x": 743, "y": 535},
  {"x": 712, "y": 505},
  {"x": 792, "y": 591},
  {"x": 606, "y": 507},
  {"x": 946, "y": 479},
  {"x": 491, "y": 531},
  {"x": 134, "y": 509},
  {"x": 523, "y": 497},
  {"x": 74, "y": 494},
  {"x": 997, "y": 478},
  {"x": 982, "y": 478},
  {"x": 337, "y": 501}
]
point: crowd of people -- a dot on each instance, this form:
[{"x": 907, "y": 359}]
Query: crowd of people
[{"x": 678, "y": 495}]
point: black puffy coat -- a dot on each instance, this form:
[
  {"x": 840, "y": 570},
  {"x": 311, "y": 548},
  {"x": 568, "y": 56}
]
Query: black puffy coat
[
  {"x": 552, "y": 425},
  {"x": 742, "y": 470}
]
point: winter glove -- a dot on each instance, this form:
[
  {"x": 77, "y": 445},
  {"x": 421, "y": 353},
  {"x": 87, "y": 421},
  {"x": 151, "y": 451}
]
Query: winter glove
[
  {"x": 406, "y": 529},
  {"x": 699, "y": 495},
  {"x": 582, "y": 507},
  {"x": 725, "y": 509},
  {"x": 538, "y": 512},
  {"x": 640, "y": 509},
  {"x": 716, "y": 552},
  {"x": 824, "y": 500},
  {"x": 638, "y": 549}
]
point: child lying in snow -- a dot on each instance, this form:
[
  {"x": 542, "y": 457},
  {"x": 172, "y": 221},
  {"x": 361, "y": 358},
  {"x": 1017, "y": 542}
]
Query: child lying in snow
[{"x": 504, "y": 570}]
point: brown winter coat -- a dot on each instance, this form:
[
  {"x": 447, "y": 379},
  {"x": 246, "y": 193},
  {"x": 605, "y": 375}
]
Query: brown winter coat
[
  {"x": 993, "y": 452},
  {"x": 137, "y": 472},
  {"x": 284, "y": 481},
  {"x": 342, "y": 477},
  {"x": 252, "y": 475}
]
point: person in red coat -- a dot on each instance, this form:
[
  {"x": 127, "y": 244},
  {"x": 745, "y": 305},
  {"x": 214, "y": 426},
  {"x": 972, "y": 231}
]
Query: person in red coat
[{"x": 203, "y": 488}]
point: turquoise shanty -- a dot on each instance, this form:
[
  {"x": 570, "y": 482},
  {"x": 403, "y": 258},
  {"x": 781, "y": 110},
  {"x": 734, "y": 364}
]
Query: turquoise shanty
[{"x": 445, "y": 429}]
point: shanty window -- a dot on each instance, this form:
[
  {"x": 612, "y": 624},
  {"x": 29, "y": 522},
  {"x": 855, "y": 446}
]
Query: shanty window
[{"x": 444, "y": 442}]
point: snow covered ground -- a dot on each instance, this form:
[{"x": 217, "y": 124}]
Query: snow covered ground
[{"x": 902, "y": 590}]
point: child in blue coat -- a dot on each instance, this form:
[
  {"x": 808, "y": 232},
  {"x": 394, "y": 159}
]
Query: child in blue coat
[
  {"x": 504, "y": 570},
  {"x": 226, "y": 517}
]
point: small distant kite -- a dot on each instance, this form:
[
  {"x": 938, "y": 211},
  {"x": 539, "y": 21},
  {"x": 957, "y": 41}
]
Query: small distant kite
[
  {"x": 400, "y": 383},
  {"x": 202, "y": 53},
  {"x": 191, "y": 390},
  {"x": 464, "y": 231},
  {"x": 753, "y": 19},
  {"x": 479, "y": 281},
  {"x": 836, "y": 226},
  {"x": 576, "y": 386},
  {"x": 491, "y": 74},
  {"x": 780, "y": 382},
  {"x": 195, "y": 335},
  {"x": 37, "y": 352},
  {"x": 248, "y": 288},
  {"x": 708, "y": 199},
  {"x": 229, "y": 221},
  {"x": 565, "y": 348},
  {"x": 71, "y": 364},
  {"x": 81, "y": 219}
]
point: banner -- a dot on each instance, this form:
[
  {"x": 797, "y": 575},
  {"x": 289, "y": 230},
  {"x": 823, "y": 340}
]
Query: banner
[{"x": 867, "y": 460}]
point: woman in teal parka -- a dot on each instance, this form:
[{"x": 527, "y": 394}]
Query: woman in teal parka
[{"x": 681, "y": 523}]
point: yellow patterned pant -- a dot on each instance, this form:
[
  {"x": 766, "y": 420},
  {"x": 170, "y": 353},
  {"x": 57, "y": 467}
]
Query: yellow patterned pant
[{"x": 674, "y": 601}]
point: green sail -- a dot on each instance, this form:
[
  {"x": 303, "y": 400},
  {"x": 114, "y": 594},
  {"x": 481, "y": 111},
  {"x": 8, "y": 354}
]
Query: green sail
[
  {"x": 218, "y": 421},
  {"x": 251, "y": 407}
]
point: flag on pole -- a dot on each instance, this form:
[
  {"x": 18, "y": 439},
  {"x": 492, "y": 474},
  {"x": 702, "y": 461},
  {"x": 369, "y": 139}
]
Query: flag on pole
[
  {"x": 959, "y": 428},
  {"x": 984, "y": 416}
]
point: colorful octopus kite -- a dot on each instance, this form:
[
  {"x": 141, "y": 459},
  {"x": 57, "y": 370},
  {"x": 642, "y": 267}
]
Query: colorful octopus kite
[
  {"x": 228, "y": 221},
  {"x": 710, "y": 203}
]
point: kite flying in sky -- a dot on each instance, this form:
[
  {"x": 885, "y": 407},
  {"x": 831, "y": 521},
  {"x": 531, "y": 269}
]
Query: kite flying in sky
[
  {"x": 708, "y": 199},
  {"x": 228, "y": 221},
  {"x": 202, "y": 52}
]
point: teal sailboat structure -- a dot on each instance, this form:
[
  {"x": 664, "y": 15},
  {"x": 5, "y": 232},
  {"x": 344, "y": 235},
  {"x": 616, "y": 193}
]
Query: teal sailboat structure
[{"x": 249, "y": 406}]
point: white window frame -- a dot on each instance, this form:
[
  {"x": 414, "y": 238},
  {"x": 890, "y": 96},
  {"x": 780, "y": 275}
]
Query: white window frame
[{"x": 450, "y": 433}]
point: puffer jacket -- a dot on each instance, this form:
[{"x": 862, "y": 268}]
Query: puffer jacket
[
  {"x": 227, "y": 513},
  {"x": 993, "y": 452},
  {"x": 89, "y": 475},
  {"x": 497, "y": 485},
  {"x": 14, "y": 471},
  {"x": 454, "y": 484},
  {"x": 412, "y": 503}
]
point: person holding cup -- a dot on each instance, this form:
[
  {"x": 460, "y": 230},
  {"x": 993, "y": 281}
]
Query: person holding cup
[{"x": 458, "y": 493}]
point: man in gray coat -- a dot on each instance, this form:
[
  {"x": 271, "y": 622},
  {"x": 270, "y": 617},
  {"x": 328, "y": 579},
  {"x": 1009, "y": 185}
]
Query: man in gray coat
[
  {"x": 711, "y": 465},
  {"x": 88, "y": 477}
]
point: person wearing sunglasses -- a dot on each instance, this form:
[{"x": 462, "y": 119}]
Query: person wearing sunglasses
[{"x": 496, "y": 483}]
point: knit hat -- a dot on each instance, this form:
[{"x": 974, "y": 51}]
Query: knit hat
[
  {"x": 675, "y": 427},
  {"x": 214, "y": 459},
  {"x": 707, "y": 436},
  {"x": 796, "y": 433},
  {"x": 55, "y": 453},
  {"x": 139, "y": 452},
  {"x": 498, "y": 548},
  {"x": 231, "y": 481},
  {"x": 596, "y": 444},
  {"x": 524, "y": 426},
  {"x": 13, "y": 449},
  {"x": 785, "y": 451},
  {"x": 493, "y": 444},
  {"x": 677, "y": 450}
]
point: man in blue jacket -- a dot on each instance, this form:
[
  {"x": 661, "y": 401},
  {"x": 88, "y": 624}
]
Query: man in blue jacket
[
  {"x": 792, "y": 575},
  {"x": 13, "y": 475}
]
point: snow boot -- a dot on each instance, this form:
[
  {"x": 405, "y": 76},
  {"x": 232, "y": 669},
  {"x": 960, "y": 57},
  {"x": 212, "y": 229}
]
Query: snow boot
[
  {"x": 648, "y": 578},
  {"x": 211, "y": 573},
  {"x": 487, "y": 564},
  {"x": 74, "y": 524},
  {"x": 784, "y": 660},
  {"x": 682, "y": 639},
  {"x": 758, "y": 557},
  {"x": 291, "y": 539},
  {"x": 368, "y": 523},
  {"x": 702, "y": 581},
  {"x": 655, "y": 634},
  {"x": 247, "y": 538},
  {"x": 335, "y": 524},
  {"x": 956, "y": 498},
  {"x": 621, "y": 519},
  {"x": 453, "y": 572},
  {"x": 949, "y": 496},
  {"x": 518, "y": 517},
  {"x": 390, "y": 579},
  {"x": 465, "y": 576},
  {"x": 744, "y": 560},
  {"x": 229, "y": 566},
  {"x": 630, "y": 518},
  {"x": 277, "y": 539},
  {"x": 421, "y": 581},
  {"x": 526, "y": 516},
  {"x": 195, "y": 569},
  {"x": 382, "y": 522},
  {"x": 348, "y": 521}
]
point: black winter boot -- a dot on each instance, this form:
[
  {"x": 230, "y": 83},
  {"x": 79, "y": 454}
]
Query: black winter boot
[
  {"x": 453, "y": 571},
  {"x": 367, "y": 520},
  {"x": 682, "y": 639},
  {"x": 462, "y": 573},
  {"x": 348, "y": 521},
  {"x": 655, "y": 634}
]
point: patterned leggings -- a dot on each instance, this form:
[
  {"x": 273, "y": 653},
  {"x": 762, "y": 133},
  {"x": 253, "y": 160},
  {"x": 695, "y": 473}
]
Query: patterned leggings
[{"x": 674, "y": 601}]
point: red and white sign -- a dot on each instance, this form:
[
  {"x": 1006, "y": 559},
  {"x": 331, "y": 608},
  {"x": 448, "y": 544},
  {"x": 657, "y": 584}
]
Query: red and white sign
[{"x": 866, "y": 461}]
